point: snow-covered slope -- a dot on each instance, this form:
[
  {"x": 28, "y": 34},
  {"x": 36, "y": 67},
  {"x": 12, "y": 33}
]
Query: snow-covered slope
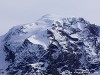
[
  {"x": 3, "y": 64},
  {"x": 51, "y": 46}
]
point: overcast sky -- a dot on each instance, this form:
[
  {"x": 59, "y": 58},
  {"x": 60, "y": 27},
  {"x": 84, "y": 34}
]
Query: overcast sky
[{"x": 16, "y": 12}]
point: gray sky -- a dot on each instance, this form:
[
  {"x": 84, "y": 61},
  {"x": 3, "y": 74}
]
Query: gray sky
[{"x": 15, "y": 12}]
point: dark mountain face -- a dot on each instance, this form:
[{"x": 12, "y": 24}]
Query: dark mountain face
[{"x": 66, "y": 46}]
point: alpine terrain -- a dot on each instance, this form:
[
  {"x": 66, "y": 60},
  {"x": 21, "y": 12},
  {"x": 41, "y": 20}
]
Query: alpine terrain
[{"x": 51, "y": 46}]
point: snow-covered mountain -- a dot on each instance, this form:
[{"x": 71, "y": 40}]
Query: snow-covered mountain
[{"x": 51, "y": 46}]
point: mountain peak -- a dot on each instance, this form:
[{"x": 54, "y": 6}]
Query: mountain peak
[
  {"x": 52, "y": 45},
  {"x": 50, "y": 16}
]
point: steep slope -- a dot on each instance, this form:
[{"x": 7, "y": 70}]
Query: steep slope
[
  {"x": 3, "y": 64},
  {"x": 52, "y": 46}
]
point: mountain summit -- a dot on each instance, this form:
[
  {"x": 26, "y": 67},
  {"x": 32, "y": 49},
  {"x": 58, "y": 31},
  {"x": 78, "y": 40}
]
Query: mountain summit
[{"x": 51, "y": 46}]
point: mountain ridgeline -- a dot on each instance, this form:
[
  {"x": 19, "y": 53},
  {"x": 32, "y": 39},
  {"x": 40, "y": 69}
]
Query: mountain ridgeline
[{"x": 53, "y": 46}]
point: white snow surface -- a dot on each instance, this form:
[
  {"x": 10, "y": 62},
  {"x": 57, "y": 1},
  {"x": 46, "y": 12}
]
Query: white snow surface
[{"x": 36, "y": 33}]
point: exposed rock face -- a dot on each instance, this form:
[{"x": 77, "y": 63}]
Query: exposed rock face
[{"x": 53, "y": 46}]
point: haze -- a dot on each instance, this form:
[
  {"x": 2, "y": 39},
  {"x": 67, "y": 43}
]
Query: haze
[{"x": 16, "y": 12}]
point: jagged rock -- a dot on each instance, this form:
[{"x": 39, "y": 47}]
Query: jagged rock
[{"x": 53, "y": 46}]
